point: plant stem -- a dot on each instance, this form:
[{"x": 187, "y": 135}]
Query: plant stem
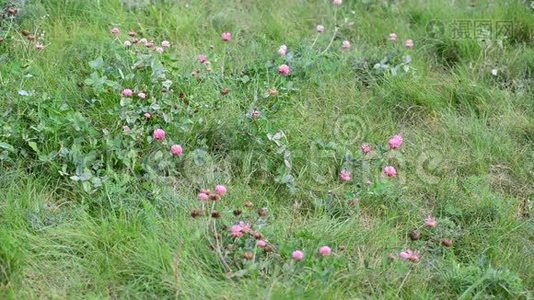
[
  {"x": 335, "y": 32},
  {"x": 218, "y": 249},
  {"x": 315, "y": 40},
  {"x": 217, "y": 246},
  {"x": 223, "y": 61},
  {"x": 331, "y": 41}
]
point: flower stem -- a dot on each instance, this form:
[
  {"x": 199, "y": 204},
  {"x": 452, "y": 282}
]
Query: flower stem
[
  {"x": 334, "y": 34},
  {"x": 223, "y": 61},
  {"x": 331, "y": 41},
  {"x": 218, "y": 249},
  {"x": 315, "y": 40}
]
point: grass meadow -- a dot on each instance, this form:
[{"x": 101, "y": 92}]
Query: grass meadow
[{"x": 231, "y": 149}]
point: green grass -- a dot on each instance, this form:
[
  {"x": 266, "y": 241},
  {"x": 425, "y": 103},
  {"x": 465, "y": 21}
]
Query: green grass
[{"x": 124, "y": 229}]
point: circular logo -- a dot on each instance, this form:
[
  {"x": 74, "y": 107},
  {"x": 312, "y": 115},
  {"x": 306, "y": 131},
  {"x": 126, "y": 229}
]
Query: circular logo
[
  {"x": 349, "y": 129},
  {"x": 435, "y": 28}
]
